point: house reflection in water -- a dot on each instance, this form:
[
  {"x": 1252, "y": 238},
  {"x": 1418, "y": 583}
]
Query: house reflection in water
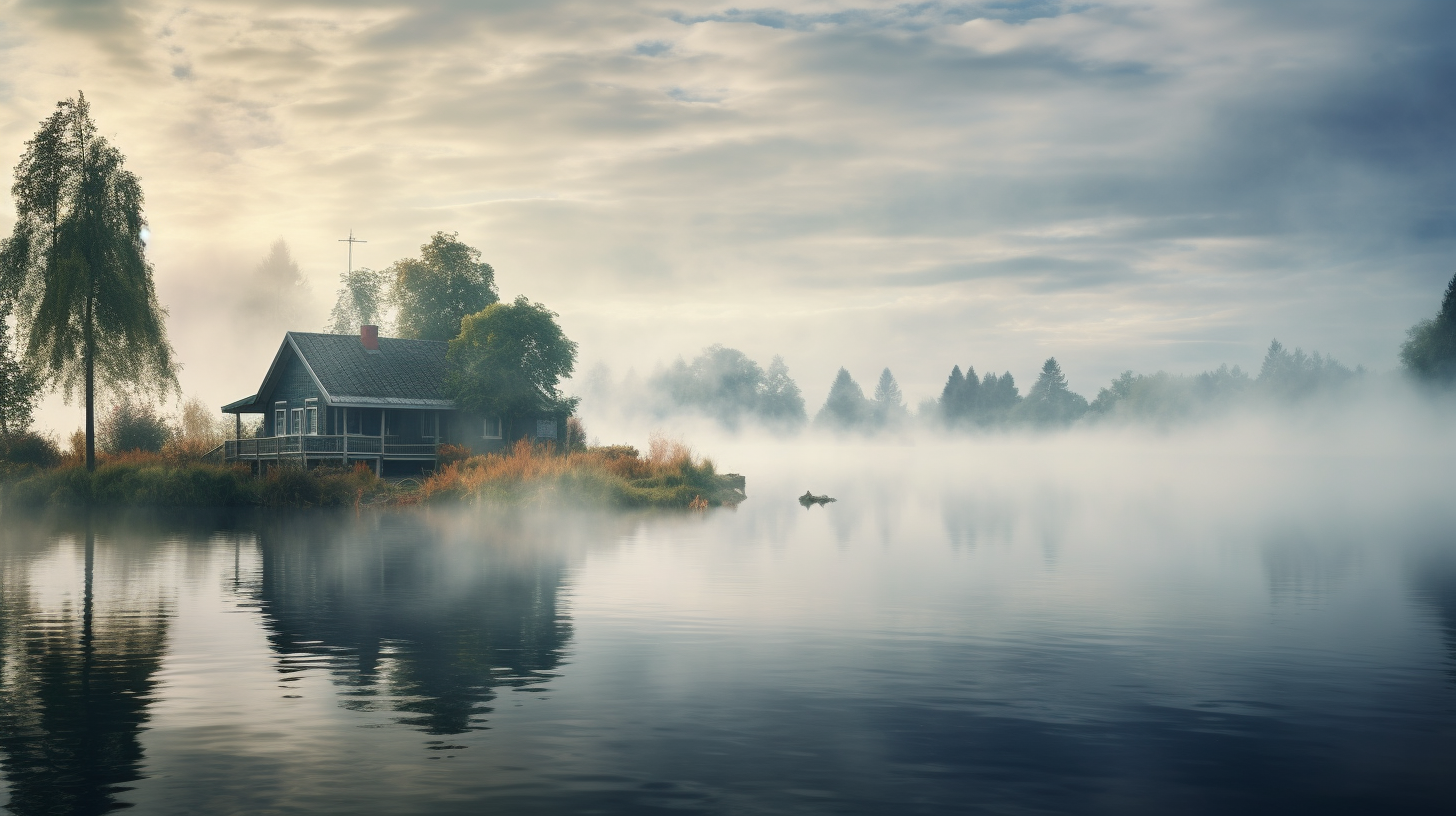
[{"x": 429, "y": 619}]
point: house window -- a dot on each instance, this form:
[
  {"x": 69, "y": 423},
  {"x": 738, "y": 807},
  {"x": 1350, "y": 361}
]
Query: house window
[
  {"x": 296, "y": 421},
  {"x": 310, "y": 416},
  {"x": 545, "y": 429},
  {"x": 280, "y": 419},
  {"x": 492, "y": 428}
]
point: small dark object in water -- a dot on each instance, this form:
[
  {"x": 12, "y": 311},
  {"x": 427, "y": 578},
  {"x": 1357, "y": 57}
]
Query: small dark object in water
[{"x": 810, "y": 499}]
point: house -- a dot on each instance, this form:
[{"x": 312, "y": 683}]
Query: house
[{"x": 341, "y": 399}]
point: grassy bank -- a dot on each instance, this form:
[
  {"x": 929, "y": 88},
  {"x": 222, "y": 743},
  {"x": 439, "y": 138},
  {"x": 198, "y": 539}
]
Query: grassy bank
[
  {"x": 154, "y": 480},
  {"x": 616, "y": 476}
]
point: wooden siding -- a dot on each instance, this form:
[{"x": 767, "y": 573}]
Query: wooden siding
[{"x": 294, "y": 386}]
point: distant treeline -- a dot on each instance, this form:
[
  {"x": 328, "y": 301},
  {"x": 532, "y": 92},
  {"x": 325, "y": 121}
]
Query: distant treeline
[{"x": 726, "y": 385}]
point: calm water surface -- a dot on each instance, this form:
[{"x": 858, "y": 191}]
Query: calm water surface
[{"x": 1001, "y": 628}]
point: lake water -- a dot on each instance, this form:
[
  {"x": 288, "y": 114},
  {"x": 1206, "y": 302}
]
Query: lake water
[{"x": 1213, "y": 624}]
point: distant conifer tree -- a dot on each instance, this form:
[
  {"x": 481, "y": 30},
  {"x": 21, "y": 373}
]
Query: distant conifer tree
[
  {"x": 889, "y": 403},
  {"x": 846, "y": 406},
  {"x": 1050, "y": 401}
]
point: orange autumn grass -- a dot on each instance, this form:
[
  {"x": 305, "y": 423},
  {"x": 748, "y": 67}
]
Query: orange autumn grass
[{"x": 617, "y": 475}]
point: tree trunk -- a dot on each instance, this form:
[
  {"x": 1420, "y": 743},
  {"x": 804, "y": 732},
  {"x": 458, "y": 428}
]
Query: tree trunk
[{"x": 90, "y": 352}]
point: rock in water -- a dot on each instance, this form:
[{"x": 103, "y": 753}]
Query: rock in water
[{"x": 809, "y": 499}]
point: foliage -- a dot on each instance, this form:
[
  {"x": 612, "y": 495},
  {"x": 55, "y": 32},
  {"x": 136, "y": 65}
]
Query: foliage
[
  {"x": 1050, "y": 401},
  {"x": 1293, "y": 375},
  {"x": 133, "y": 425},
  {"x": 360, "y": 301},
  {"x": 846, "y": 406},
  {"x": 1164, "y": 397},
  {"x": 1429, "y": 351},
  {"x": 575, "y": 434},
  {"x": 197, "y": 430},
  {"x": 966, "y": 400},
  {"x": 26, "y": 452},
  {"x": 725, "y": 384},
  {"x": 779, "y": 400},
  {"x": 29, "y": 448},
  {"x": 614, "y": 476},
  {"x": 509, "y": 360},
  {"x": 155, "y": 480},
  {"x": 1285, "y": 376},
  {"x": 19, "y": 386},
  {"x": 888, "y": 406},
  {"x": 276, "y": 291},
  {"x": 76, "y": 265},
  {"x": 435, "y": 292}
]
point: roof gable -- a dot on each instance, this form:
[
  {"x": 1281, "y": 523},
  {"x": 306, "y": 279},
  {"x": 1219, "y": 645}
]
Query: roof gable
[{"x": 402, "y": 373}]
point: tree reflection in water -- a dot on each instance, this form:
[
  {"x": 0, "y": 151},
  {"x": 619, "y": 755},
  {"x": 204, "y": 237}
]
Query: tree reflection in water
[
  {"x": 76, "y": 671},
  {"x": 426, "y": 615}
]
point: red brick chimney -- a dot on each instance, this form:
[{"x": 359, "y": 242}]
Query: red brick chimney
[{"x": 369, "y": 336}]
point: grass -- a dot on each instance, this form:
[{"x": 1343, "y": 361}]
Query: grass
[
  {"x": 154, "y": 480},
  {"x": 613, "y": 476}
]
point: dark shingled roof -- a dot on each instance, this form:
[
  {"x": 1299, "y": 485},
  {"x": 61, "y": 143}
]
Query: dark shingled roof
[{"x": 403, "y": 371}]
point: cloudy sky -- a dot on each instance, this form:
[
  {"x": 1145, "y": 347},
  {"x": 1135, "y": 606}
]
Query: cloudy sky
[{"x": 1145, "y": 185}]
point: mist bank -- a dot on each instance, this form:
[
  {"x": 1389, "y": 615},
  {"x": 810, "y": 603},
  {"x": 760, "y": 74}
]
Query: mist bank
[{"x": 724, "y": 392}]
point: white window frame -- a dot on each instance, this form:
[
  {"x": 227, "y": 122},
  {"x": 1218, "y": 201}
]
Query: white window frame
[
  {"x": 491, "y": 428},
  {"x": 310, "y": 416},
  {"x": 295, "y": 421},
  {"x": 280, "y": 419}
]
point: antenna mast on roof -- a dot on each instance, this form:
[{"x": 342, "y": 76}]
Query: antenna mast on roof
[{"x": 351, "y": 241}]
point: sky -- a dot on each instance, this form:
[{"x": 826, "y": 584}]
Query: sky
[{"x": 1122, "y": 185}]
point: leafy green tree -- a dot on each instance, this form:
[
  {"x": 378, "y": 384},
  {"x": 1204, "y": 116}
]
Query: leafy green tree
[
  {"x": 889, "y": 403},
  {"x": 436, "y": 291},
  {"x": 1429, "y": 351},
  {"x": 75, "y": 266},
  {"x": 846, "y": 406},
  {"x": 360, "y": 301},
  {"x": 509, "y": 360},
  {"x": 18, "y": 386},
  {"x": 1050, "y": 401}
]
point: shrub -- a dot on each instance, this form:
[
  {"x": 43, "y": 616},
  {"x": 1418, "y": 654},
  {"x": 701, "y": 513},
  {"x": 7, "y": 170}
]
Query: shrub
[
  {"x": 198, "y": 431},
  {"x": 132, "y": 425},
  {"x": 448, "y": 454},
  {"x": 29, "y": 448}
]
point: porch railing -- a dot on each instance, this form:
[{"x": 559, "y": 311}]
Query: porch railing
[{"x": 323, "y": 447}]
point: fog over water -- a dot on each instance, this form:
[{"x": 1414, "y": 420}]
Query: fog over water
[{"x": 1256, "y": 614}]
